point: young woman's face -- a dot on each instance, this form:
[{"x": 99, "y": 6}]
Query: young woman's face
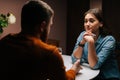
[{"x": 91, "y": 23}]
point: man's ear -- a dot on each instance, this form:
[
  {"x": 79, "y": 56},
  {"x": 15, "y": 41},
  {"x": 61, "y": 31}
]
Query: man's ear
[{"x": 43, "y": 26}]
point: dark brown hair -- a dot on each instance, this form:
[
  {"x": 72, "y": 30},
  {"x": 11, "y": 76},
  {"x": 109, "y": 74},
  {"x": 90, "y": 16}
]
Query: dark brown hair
[{"x": 33, "y": 13}]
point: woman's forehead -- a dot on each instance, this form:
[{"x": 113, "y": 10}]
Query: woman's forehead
[{"x": 90, "y": 15}]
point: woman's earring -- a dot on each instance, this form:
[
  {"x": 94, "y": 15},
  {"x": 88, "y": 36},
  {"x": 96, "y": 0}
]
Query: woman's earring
[{"x": 101, "y": 25}]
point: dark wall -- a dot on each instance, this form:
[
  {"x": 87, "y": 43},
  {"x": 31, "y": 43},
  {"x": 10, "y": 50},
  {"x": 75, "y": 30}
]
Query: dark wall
[
  {"x": 111, "y": 11},
  {"x": 75, "y": 11}
]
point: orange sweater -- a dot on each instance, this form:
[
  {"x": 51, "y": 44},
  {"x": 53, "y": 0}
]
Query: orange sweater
[{"x": 30, "y": 58}]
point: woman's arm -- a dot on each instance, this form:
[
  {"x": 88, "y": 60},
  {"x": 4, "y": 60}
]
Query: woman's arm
[
  {"x": 92, "y": 56},
  {"x": 105, "y": 50},
  {"x": 78, "y": 49}
]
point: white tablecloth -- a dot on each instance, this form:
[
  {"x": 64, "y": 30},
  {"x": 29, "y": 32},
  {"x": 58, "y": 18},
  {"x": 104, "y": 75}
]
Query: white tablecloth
[{"x": 85, "y": 74}]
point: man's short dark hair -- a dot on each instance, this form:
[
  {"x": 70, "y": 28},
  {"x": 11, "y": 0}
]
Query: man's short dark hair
[{"x": 34, "y": 12}]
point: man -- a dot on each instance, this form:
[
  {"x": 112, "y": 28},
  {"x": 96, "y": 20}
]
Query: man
[{"x": 26, "y": 56}]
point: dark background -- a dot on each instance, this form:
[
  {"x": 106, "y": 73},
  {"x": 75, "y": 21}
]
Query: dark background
[{"x": 75, "y": 11}]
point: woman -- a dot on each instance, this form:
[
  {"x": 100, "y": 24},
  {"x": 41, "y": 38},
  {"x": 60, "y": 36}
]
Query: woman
[{"x": 96, "y": 46}]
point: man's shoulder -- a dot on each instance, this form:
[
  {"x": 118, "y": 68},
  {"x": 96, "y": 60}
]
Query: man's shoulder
[{"x": 45, "y": 47}]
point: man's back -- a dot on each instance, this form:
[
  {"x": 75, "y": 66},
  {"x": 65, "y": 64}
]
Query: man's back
[
  {"x": 25, "y": 56},
  {"x": 30, "y": 58}
]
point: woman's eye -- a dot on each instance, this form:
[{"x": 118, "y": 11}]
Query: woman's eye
[{"x": 91, "y": 20}]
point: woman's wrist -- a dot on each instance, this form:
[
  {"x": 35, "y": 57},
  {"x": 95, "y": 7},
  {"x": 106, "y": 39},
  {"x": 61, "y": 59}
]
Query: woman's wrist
[{"x": 81, "y": 43}]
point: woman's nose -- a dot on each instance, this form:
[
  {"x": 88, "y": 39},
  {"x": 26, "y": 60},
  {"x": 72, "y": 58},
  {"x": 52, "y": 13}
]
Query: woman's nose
[{"x": 88, "y": 23}]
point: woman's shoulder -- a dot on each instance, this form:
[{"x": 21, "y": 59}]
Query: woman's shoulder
[
  {"x": 109, "y": 37},
  {"x": 81, "y": 33}
]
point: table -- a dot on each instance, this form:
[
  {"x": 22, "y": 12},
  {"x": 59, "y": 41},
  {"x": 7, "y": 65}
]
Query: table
[{"x": 85, "y": 74}]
